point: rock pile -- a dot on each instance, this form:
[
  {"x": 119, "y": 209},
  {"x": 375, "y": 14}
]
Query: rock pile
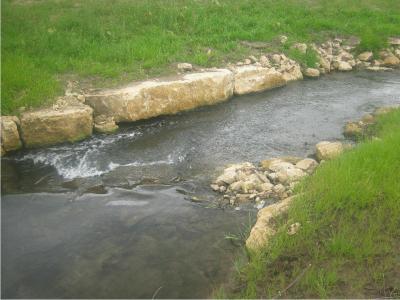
[{"x": 273, "y": 180}]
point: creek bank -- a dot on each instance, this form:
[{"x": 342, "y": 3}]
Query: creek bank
[
  {"x": 103, "y": 110},
  {"x": 274, "y": 180}
]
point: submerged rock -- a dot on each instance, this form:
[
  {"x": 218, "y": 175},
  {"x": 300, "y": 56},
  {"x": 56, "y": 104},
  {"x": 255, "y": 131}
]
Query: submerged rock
[{"x": 47, "y": 126}]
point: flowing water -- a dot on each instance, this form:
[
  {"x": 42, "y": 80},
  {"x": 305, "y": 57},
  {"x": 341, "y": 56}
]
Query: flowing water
[{"x": 130, "y": 215}]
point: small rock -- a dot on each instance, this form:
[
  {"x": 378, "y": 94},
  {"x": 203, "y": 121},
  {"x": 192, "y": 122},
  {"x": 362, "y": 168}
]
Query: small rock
[
  {"x": 286, "y": 176},
  {"x": 279, "y": 189},
  {"x": 283, "y": 39},
  {"x": 105, "y": 124},
  {"x": 222, "y": 189},
  {"x": 273, "y": 177},
  {"x": 307, "y": 165},
  {"x": 328, "y": 150},
  {"x": 215, "y": 187},
  {"x": 81, "y": 98},
  {"x": 264, "y": 61},
  {"x": 253, "y": 59},
  {"x": 368, "y": 119},
  {"x": 266, "y": 187},
  {"x": 294, "y": 228},
  {"x": 311, "y": 73},
  {"x": 276, "y": 58},
  {"x": 391, "y": 61},
  {"x": 247, "y": 61},
  {"x": 344, "y": 66},
  {"x": 366, "y": 56},
  {"x": 185, "y": 67},
  {"x": 352, "y": 130}
]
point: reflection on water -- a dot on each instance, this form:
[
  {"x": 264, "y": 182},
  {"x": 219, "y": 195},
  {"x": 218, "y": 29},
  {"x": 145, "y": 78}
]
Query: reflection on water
[
  {"x": 99, "y": 247},
  {"x": 126, "y": 227}
]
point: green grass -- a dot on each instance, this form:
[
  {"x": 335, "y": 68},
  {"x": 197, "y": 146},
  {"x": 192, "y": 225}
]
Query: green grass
[
  {"x": 349, "y": 240},
  {"x": 102, "y": 42}
]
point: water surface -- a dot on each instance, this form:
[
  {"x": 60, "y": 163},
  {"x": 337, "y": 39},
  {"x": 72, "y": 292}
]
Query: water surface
[{"x": 114, "y": 216}]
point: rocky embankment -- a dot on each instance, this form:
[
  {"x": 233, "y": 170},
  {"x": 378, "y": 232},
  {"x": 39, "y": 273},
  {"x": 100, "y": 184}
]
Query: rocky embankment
[
  {"x": 76, "y": 115},
  {"x": 273, "y": 181}
]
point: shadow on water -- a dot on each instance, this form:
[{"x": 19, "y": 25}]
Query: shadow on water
[{"x": 111, "y": 217}]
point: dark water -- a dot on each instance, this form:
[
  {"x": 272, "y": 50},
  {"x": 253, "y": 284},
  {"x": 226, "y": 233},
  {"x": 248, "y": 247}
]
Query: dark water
[{"x": 142, "y": 234}]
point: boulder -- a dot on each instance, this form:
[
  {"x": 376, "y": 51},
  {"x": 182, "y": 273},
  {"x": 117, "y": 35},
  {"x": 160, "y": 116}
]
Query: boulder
[
  {"x": 311, "y": 73},
  {"x": 307, "y": 165},
  {"x": 249, "y": 79},
  {"x": 366, "y": 56},
  {"x": 105, "y": 124},
  {"x": 10, "y": 139},
  {"x": 328, "y": 150},
  {"x": 160, "y": 97},
  {"x": 263, "y": 229},
  {"x": 48, "y": 127}
]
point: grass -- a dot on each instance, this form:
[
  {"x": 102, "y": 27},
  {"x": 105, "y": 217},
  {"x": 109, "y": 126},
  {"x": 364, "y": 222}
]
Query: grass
[
  {"x": 102, "y": 42},
  {"x": 349, "y": 240}
]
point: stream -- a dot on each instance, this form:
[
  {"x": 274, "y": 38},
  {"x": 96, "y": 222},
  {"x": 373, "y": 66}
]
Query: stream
[{"x": 131, "y": 215}]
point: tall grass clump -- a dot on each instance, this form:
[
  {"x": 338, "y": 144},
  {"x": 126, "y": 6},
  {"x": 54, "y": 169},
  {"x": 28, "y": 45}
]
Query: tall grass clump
[{"x": 348, "y": 242}]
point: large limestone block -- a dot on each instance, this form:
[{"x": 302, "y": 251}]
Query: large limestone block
[
  {"x": 48, "y": 126},
  {"x": 160, "y": 97},
  {"x": 10, "y": 139},
  {"x": 250, "y": 79}
]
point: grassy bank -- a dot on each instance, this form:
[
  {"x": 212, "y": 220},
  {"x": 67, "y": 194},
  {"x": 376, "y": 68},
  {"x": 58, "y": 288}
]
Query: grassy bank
[
  {"x": 349, "y": 240},
  {"x": 100, "y": 42}
]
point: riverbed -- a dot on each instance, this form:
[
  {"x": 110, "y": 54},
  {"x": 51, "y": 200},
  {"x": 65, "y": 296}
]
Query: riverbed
[{"x": 131, "y": 215}]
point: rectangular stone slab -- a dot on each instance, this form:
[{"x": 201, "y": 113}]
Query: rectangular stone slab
[
  {"x": 160, "y": 97},
  {"x": 48, "y": 127}
]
